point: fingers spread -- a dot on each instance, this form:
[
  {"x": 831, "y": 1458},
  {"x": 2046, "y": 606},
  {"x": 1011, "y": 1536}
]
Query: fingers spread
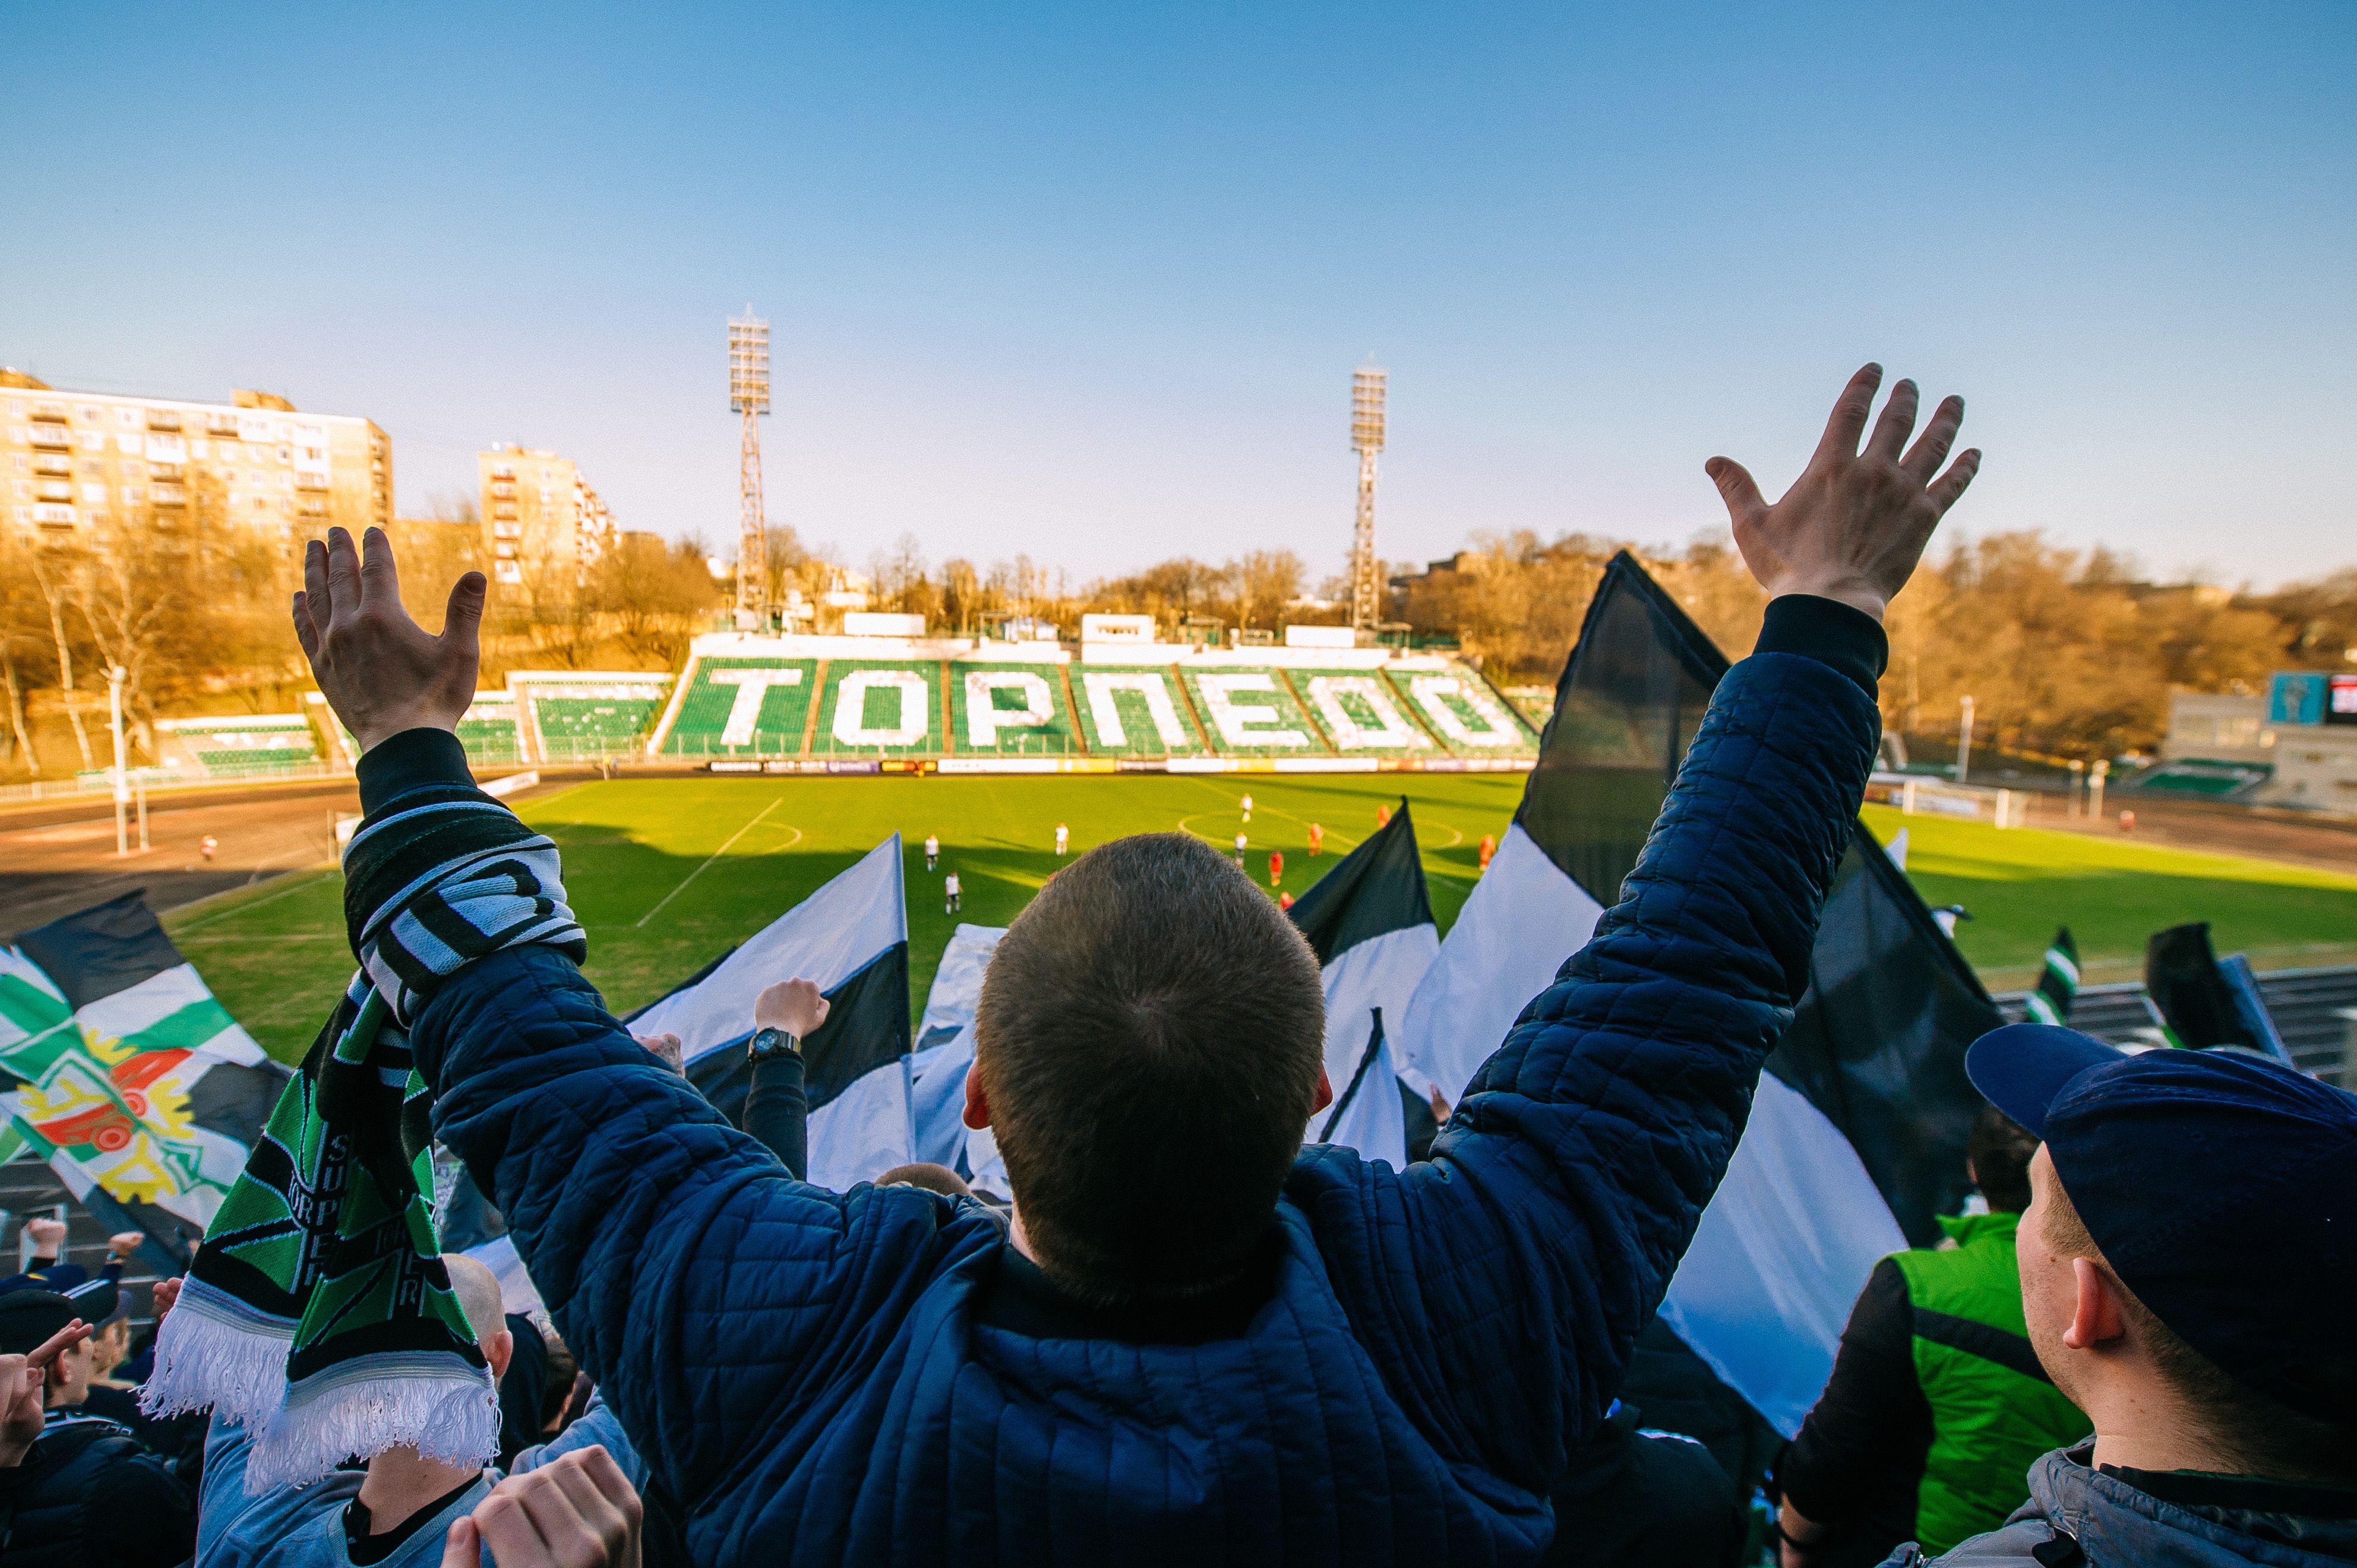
[
  {"x": 318, "y": 594},
  {"x": 1898, "y": 420},
  {"x": 464, "y": 614},
  {"x": 379, "y": 578},
  {"x": 305, "y": 632},
  {"x": 1923, "y": 459},
  {"x": 1848, "y": 420},
  {"x": 1945, "y": 490},
  {"x": 343, "y": 576},
  {"x": 1735, "y": 488}
]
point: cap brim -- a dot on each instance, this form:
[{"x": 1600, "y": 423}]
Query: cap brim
[{"x": 2023, "y": 1069}]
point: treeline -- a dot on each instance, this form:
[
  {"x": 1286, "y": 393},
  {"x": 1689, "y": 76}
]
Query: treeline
[
  {"x": 199, "y": 624},
  {"x": 2066, "y": 654}
]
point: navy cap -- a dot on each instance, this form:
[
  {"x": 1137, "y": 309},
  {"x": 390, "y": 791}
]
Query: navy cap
[
  {"x": 28, "y": 1317},
  {"x": 2221, "y": 1187}
]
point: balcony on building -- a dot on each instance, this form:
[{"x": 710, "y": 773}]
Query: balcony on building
[
  {"x": 163, "y": 419},
  {"x": 306, "y": 479},
  {"x": 52, "y": 463},
  {"x": 168, "y": 494},
  {"x": 55, "y": 491},
  {"x": 47, "y": 432},
  {"x": 223, "y": 424}
]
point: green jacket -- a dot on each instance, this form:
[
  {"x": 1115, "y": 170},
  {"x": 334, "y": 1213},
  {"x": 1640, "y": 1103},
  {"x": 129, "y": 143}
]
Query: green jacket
[{"x": 1993, "y": 1408}]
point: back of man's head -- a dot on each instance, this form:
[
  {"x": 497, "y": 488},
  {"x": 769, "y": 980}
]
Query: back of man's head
[
  {"x": 2263, "y": 1437},
  {"x": 1149, "y": 1037},
  {"x": 478, "y": 1290},
  {"x": 2000, "y": 1151},
  {"x": 2191, "y": 1250}
]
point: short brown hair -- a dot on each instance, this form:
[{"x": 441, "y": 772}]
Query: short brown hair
[
  {"x": 1148, "y": 1036},
  {"x": 2001, "y": 1150},
  {"x": 2265, "y": 1436}
]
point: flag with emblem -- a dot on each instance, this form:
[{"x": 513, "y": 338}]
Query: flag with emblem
[{"x": 125, "y": 1073}]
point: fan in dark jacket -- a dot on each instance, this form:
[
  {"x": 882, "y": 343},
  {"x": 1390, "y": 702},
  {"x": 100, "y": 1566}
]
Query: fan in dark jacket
[
  {"x": 74, "y": 1489},
  {"x": 1197, "y": 1341}
]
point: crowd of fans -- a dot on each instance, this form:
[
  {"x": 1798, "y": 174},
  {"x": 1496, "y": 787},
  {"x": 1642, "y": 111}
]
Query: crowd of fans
[{"x": 2134, "y": 1348}]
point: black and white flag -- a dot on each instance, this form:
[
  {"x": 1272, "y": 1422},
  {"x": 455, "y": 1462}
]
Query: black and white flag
[
  {"x": 1857, "y": 1135},
  {"x": 851, "y": 938},
  {"x": 1370, "y": 923}
]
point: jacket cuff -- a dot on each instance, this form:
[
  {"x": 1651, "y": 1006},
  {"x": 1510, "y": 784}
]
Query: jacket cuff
[
  {"x": 1826, "y": 630},
  {"x": 412, "y": 761}
]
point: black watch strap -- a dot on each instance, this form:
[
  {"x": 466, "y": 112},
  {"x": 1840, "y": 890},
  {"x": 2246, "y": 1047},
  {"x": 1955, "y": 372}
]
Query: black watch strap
[{"x": 771, "y": 1043}]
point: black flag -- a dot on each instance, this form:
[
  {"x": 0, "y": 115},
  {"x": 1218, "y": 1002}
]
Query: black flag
[{"x": 1858, "y": 1135}]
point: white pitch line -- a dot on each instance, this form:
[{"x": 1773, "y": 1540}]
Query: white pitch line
[{"x": 708, "y": 859}]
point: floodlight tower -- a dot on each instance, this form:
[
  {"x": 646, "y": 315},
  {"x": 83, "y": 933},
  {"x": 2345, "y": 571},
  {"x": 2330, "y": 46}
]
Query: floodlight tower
[
  {"x": 1366, "y": 439},
  {"x": 749, "y": 393}
]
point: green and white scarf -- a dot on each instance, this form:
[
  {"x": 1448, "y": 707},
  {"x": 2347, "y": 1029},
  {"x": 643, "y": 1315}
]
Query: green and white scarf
[{"x": 318, "y": 1313}]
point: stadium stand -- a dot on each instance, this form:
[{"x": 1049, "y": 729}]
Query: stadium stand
[
  {"x": 1462, "y": 709},
  {"x": 256, "y": 747},
  {"x": 2204, "y": 776},
  {"x": 739, "y": 705},
  {"x": 490, "y": 731},
  {"x": 1360, "y": 715},
  {"x": 1134, "y": 711},
  {"x": 1005, "y": 709},
  {"x": 1249, "y": 710},
  {"x": 585, "y": 716},
  {"x": 886, "y": 707}
]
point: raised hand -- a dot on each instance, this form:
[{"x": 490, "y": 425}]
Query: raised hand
[
  {"x": 23, "y": 1380},
  {"x": 579, "y": 1510},
  {"x": 666, "y": 1049},
  {"x": 1855, "y": 524},
  {"x": 49, "y": 1237},
  {"x": 793, "y": 1006},
  {"x": 165, "y": 1295},
  {"x": 377, "y": 668},
  {"x": 123, "y": 1243}
]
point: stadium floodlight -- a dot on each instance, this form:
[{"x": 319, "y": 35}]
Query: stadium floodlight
[
  {"x": 749, "y": 393},
  {"x": 1366, "y": 439}
]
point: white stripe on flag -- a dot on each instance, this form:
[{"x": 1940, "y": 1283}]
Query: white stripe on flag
[
  {"x": 826, "y": 938},
  {"x": 1524, "y": 919},
  {"x": 1381, "y": 971},
  {"x": 957, "y": 984},
  {"x": 863, "y": 1131},
  {"x": 1780, "y": 1256}
]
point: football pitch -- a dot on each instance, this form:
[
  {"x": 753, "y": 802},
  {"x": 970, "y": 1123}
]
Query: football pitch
[{"x": 668, "y": 873}]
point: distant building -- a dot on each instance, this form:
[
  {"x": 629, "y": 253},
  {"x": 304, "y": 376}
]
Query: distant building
[
  {"x": 2294, "y": 746},
  {"x": 540, "y": 514},
  {"x": 72, "y": 462}
]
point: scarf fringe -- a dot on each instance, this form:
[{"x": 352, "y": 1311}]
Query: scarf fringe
[
  {"x": 448, "y": 1412},
  {"x": 214, "y": 1352}
]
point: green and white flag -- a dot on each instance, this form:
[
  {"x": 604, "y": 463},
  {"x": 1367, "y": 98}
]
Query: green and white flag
[
  {"x": 125, "y": 1073},
  {"x": 2057, "y": 984}
]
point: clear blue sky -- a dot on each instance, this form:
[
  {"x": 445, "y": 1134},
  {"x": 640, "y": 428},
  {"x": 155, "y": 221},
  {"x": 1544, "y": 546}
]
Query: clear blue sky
[{"x": 1090, "y": 283}]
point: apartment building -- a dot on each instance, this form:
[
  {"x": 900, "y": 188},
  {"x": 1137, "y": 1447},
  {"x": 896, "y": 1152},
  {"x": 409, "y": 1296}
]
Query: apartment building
[
  {"x": 73, "y": 463},
  {"x": 540, "y": 515}
]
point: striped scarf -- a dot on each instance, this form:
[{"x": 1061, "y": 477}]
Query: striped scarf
[{"x": 317, "y": 1313}]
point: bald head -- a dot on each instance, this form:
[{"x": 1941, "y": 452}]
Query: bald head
[{"x": 477, "y": 1291}]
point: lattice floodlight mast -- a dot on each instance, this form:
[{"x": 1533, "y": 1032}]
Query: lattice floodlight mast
[
  {"x": 1366, "y": 439},
  {"x": 749, "y": 393}
]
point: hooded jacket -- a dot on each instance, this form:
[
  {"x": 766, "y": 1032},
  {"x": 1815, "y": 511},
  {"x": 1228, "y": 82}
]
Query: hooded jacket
[{"x": 2104, "y": 1518}]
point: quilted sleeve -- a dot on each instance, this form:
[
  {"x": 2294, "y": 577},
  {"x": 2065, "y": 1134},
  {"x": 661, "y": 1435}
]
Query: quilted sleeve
[
  {"x": 712, "y": 1297},
  {"x": 1501, "y": 1283}
]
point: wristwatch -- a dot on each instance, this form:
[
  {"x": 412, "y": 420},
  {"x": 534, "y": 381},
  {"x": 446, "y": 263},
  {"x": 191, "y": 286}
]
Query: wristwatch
[{"x": 768, "y": 1042}]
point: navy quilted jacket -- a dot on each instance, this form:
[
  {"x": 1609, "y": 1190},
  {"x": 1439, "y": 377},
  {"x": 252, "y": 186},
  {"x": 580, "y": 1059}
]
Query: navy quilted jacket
[{"x": 805, "y": 1370}]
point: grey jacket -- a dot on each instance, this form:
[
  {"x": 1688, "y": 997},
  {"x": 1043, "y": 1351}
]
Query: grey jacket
[{"x": 2115, "y": 1526}]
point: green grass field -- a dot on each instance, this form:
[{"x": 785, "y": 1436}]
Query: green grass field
[{"x": 666, "y": 873}]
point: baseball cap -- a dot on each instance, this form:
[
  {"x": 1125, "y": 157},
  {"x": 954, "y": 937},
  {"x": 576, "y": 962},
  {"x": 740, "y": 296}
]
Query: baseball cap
[
  {"x": 2221, "y": 1187},
  {"x": 30, "y": 1316}
]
